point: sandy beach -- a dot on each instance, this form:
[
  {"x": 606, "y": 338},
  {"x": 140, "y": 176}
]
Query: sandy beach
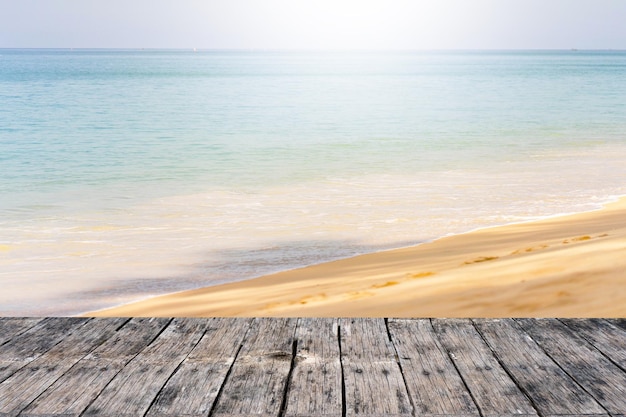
[{"x": 566, "y": 266}]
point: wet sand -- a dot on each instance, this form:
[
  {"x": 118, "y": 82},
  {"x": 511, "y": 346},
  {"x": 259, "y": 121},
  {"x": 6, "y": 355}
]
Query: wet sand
[{"x": 566, "y": 266}]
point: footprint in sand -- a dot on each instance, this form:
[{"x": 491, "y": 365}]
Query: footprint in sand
[
  {"x": 310, "y": 298},
  {"x": 576, "y": 239},
  {"x": 386, "y": 284},
  {"x": 406, "y": 278},
  {"x": 303, "y": 300},
  {"x": 355, "y": 295},
  {"x": 583, "y": 238},
  {"x": 482, "y": 259},
  {"x": 528, "y": 250},
  {"x": 420, "y": 275}
]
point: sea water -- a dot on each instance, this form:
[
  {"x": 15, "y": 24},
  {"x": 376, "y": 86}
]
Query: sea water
[{"x": 131, "y": 173}]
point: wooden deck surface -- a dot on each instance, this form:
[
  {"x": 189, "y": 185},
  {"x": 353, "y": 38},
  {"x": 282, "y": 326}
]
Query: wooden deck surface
[{"x": 312, "y": 367}]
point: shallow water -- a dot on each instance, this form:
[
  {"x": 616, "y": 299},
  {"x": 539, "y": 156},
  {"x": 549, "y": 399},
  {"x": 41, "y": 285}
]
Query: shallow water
[{"x": 133, "y": 173}]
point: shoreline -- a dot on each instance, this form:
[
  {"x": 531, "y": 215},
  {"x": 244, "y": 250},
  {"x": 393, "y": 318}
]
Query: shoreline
[{"x": 448, "y": 277}]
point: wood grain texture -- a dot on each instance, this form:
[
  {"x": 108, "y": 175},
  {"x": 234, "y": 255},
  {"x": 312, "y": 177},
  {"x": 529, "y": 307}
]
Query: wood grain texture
[
  {"x": 621, "y": 322},
  {"x": 494, "y": 392},
  {"x": 20, "y": 389},
  {"x": 34, "y": 342},
  {"x": 193, "y": 388},
  {"x": 11, "y": 327},
  {"x": 594, "y": 372},
  {"x": 432, "y": 380},
  {"x": 133, "y": 389},
  {"x": 551, "y": 389},
  {"x": 604, "y": 336},
  {"x": 218, "y": 367},
  {"x": 130, "y": 340},
  {"x": 72, "y": 393},
  {"x": 370, "y": 367},
  {"x": 316, "y": 383},
  {"x": 259, "y": 377}
]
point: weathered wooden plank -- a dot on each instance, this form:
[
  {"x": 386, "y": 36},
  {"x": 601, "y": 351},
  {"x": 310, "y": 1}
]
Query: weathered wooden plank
[
  {"x": 134, "y": 388},
  {"x": 606, "y": 337},
  {"x": 370, "y": 368},
  {"x": 493, "y": 390},
  {"x": 315, "y": 388},
  {"x": 192, "y": 390},
  {"x": 621, "y": 322},
  {"x": 34, "y": 342},
  {"x": 11, "y": 327},
  {"x": 40, "y": 338},
  {"x": 598, "y": 376},
  {"x": 19, "y": 390},
  {"x": 258, "y": 378},
  {"x": 56, "y": 353},
  {"x": 552, "y": 391},
  {"x": 432, "y": 380},
  {"x": 130, "y": 340},
  {"x": 76, "y": 389}
]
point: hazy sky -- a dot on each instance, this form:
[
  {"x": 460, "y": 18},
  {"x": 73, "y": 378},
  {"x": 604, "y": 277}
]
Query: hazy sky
[{"x": 314, "y": 24}]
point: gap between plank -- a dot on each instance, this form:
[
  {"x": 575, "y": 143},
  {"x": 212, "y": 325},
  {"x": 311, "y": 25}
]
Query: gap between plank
[
  {"x": 230, "y": 369},
  {"x": 43, "y": 353},
  {"x": 60, "y": 376},
  {"x": 294, "y": 349},
  {"x": 503, "y": 366},
  {"x": 594, "y": 346},
  {"x": 121, "y": 368},
  {"x": 123, "y": 324},
  {"x": 480, "y": 412},
  {"x": 22, "y": 331},
  {"x": 175, "y": 370},
  {"x": 562, "y": 369},
  {"x": 395, "y": 351},
  {"x": 343, "y": 379}
]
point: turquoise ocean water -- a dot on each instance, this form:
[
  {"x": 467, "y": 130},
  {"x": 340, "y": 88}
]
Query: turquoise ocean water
[{"x": 131, "y": 173}]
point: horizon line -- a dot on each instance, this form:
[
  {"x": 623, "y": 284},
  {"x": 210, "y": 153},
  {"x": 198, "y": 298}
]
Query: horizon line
[{"x": 196, "y": 49}]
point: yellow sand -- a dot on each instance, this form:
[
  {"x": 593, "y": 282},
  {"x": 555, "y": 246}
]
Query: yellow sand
[{"x": 569, "y": 266}]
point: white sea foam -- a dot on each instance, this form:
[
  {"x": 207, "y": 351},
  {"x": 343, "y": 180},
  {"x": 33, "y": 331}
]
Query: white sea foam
[{"x": 179, "y": 242}]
